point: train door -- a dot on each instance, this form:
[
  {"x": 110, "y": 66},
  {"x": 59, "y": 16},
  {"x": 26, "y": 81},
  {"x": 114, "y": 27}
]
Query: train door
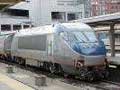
[
  {"x": 8, "y": 42},
  {"x": 50, "y": 47}
]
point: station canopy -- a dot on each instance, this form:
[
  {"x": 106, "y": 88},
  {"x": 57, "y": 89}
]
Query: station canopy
[{"x": 103, "y": 20}]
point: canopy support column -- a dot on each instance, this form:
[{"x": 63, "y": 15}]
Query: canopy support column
[{"x": 112, "y": 39}]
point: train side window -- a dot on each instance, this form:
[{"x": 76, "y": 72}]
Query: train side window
[{"x": 37, "y": 42}]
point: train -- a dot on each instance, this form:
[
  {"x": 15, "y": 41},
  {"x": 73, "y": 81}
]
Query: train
[{"x": 69, "y": 48}]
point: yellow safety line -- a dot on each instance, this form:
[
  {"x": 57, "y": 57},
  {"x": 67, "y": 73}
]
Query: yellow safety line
[{"x": 15, "y": 85}]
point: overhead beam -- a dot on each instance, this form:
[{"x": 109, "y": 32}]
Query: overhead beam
[{"x": 103, "y": 23}]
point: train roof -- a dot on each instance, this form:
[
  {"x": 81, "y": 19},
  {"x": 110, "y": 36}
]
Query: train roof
[
  {"x": 36, "y": 30},
  {"x": 69, "y": 27},
  {"x": 49, "y": 29},
  {"x": 80, "y": 26}
]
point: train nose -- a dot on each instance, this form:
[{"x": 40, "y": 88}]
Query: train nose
[
  {"x": 90, "y": 48},
  {"x": 94, "y": 60},
  {"x": 100, "y": 50},
  {"x": 94, "y": 49}
]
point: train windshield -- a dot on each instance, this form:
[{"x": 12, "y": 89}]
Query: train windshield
[
  {"x": 85, "y": 36},
  {"x": 79, "y": 36}
]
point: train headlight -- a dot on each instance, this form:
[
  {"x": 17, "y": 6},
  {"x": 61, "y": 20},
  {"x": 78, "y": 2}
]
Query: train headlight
[{"x": 79, "y": 63}]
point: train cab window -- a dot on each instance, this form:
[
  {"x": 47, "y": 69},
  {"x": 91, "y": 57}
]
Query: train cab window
[
  {"x": 85, "y": 36},
  {"x": 64, "y": 35},
  {"x": 92, "y": 36},
  {"x": 72, "y": 37},
  {"x": 80, "y": 36}
]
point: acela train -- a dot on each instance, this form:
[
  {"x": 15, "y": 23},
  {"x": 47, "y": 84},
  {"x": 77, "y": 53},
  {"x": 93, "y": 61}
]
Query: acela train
[{"x": 72, "y": 48}]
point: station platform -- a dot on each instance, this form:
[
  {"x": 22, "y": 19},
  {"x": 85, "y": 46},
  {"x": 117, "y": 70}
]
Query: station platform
[
  {"x": 114, "y": 60},
  {"x": 7, "y": 83}
]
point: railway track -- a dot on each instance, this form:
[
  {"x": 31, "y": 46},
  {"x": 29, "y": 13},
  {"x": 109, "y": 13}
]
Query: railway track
[
  {"x": 101, "y": 85},
  {"x": 115, "y": 83},
  {"x": 107, "y": 85},
  {"x": 98, "y": 85}
]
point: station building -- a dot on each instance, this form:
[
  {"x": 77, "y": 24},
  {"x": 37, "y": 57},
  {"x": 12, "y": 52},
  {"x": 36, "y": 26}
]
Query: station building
[
  {"x": 49, "y": 11},
  {"x": 8, "y": 20},
  {"x": 40, "y": 12}
]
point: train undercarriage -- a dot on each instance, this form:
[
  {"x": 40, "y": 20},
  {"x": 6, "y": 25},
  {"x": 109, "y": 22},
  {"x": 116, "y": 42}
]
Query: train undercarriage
[{"x": 84, "y": 73}]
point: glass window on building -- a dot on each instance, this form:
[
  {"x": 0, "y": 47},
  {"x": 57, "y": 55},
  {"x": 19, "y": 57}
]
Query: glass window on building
[
  {"x": 117, "y": 37},
  {"x": 71, "y": 16},
  {"x": 17, "y": 27},
  {"x": 56, "y": 15},
  {"x": 74, "y": 16},
  {"x": 26, "y": 26},
  {"x": 6, "y": 27},
  {"x": 15, "y": 12},
  {"x": 79, "y": 15}
]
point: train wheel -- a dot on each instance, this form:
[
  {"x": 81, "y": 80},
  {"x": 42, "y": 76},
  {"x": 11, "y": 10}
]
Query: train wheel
[
  {"x": 105, "y": 74},
  {"x": 60, "y": 69},
  {"x": 90, "y": 77},
  {"x": 52, "y": 68},
  {"x": 56, "y": 69},
  {"x": 46, "y": 66}
]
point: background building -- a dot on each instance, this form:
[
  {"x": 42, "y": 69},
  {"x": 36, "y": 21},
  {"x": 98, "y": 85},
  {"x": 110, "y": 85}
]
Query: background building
[
  {"x": 87, "y": 8},
  {"x": 40, "y": 12},
  {"x": 9, "y": 21},
  {"x": 101, "y": 7},
  {"x": 49, "y": 11}
]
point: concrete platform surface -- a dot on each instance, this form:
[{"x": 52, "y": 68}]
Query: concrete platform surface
[
  {"x": 25, "y": 80},
  {"x": 114, "y": 60},
  {"x": 21, "y": 79},
  {"x": 7, "y": 83}
]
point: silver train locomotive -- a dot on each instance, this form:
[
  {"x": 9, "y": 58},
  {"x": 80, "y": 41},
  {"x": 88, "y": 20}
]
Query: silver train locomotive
[{"x": 72, "y": 48}]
